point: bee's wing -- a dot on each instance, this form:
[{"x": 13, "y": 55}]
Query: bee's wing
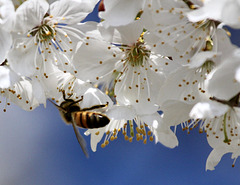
[{"x": 80, "y": 139}]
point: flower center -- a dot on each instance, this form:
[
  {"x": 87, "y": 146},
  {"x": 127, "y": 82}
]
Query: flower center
[
  {"x": 43, "y": 32},
  {"x": 137, "y": 54},
  {"x": 208, "y": 66}
]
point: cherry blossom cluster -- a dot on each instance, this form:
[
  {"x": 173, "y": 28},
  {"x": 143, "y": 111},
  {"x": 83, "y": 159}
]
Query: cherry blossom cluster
[{"x": 155, "y": 63}]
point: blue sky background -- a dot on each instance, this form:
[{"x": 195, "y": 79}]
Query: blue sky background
[{"x": 38, "y": 148}]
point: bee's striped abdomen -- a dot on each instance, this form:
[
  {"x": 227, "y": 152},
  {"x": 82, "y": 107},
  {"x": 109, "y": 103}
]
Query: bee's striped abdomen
[{"x": 86, "y": 119}]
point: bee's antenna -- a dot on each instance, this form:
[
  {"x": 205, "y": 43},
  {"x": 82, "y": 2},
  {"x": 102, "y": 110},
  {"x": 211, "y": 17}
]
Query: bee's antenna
[{"x": 58, "y": 107}]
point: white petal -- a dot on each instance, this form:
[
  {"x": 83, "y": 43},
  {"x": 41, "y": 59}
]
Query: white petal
[
  {"x": 114, "y": 14},
  {"x": 226, "y": 11},
  {"x": 163, "y": 133},
  {"x": 200, "y": 58},
  {"x": 94, "y": 96},
  {"x": 205, "y": 12},
  {"x": 237, "y": 75},
  {"x": 221, "y": 82},
  {"x": 95, "y": 138},
  {"x": 181, "y": 85},
  {"x": 23, "y": 96},
  {"x": 209, "y": 109},
  {"x": 119, "y": 112},
  {"x": 130, "y": 33},
  {"x": 7, "y": 77},
  {"x": 215, "y": 157},
  {"x": 71, "y": 11},
  {"x": 30, "y": 15},
  {"x": 132, "y": 89},
  {"x": 38, "y": 92},
  {"x": 175, "y": 112},
  {"x": 7, "y": 15},
  {"x": 166, "y": 136},
  {"x": 6, "y": 42},
  {"x": 22, "y": 55},
  {"x": 231, "y": 14},
  {"x": 224, "y": 45},
  {"x": 57, "y": 81},
  {"x": 95, "y": 59}
]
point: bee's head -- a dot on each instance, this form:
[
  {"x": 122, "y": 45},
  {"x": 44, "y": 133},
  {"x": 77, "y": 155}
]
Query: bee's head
[{"x": 67, "y": 107}]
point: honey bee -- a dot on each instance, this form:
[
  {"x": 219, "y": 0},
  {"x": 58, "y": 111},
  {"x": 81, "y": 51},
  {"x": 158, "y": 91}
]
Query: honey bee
[{"x": 71, "y": 113}]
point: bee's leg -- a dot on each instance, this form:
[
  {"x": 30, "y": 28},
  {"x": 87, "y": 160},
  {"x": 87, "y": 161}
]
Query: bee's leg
[
  {"x": 76, "y": 101},
  {"x": 79, "y": 100},
  {"x": 95, "y": 107},
  {"x": 64, "y": 95}
]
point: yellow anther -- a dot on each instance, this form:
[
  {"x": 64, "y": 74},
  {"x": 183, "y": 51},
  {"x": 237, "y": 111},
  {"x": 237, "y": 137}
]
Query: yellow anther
[
  {"x": 151, "y": 138},
  {"x": 138, "y": 130},
  {"x": 111, "y": 138},
  {"x": 126, "y": 137},
  {"x": 48, "y": 33},
  {"x": 130, "y": 139},
  {"x": 149, "y": 133},
  {"x": 97, "y": 133},
  {"x": 145, "y": 141},
  {"x": 103, "y": 145},
  {"x": 138, "y": 138}
]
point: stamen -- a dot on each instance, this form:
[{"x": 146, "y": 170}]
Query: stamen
[
  {"x": 226, "y": 140},
  {"x": 141, "y": 132}
]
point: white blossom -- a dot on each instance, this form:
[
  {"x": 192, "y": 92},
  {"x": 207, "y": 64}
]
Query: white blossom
[
  {"x": 132, "y": 124},
  {"x": 219, "y": 116},
  {"x": 129, "y": 64},
  {"x": 220, "y": 120},
  {"x": 44, "y": 35}
]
